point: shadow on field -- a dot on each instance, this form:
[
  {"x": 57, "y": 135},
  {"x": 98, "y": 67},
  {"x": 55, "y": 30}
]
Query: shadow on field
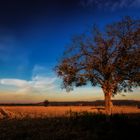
[{"x": 78, "y": 126}]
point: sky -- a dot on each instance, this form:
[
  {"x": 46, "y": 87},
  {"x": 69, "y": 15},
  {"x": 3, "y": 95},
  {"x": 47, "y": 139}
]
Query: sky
[{"x": 33, "y": 36}]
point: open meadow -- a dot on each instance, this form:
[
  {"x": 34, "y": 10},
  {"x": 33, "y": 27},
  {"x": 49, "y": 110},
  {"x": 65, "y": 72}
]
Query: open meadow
[
  {"x": 68, "y": 123},
  {"x": 20, "y": 112}
]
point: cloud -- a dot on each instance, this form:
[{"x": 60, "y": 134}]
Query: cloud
[
  {"x": 39, "y": 82},
  {"x": 37, "y": 69},
  {"x": 14, "y": 82},
  {"x": 42, "y": 83}
]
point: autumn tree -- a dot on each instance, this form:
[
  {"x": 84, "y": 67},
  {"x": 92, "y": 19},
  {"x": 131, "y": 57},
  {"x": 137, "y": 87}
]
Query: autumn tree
[{"x": 109, "y": 59}]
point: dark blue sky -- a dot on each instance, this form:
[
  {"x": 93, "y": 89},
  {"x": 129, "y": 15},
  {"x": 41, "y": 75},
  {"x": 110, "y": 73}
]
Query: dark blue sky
[{"x": 34, "y": 33}]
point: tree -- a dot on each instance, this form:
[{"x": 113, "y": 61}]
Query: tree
[
  {"x": 46, "y": 103},
  {"x": 109, "y": 59}
]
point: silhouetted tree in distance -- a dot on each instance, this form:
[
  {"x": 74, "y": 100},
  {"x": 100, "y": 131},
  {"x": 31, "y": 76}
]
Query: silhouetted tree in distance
[
  {"x": 46, "y": 103},
  {"x": 109, "y": 59}
]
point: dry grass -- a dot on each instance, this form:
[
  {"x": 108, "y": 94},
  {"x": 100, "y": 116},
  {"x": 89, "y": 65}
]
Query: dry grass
[
  {"x": 56, "y": 111},
  {"x": 52, "y": 123}
]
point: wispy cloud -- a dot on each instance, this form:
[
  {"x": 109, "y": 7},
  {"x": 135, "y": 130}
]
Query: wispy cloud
[
  {"x": 41, "y": 70},
  {"x": 14, "y": 82},
  {"x": 39, "y": 82}
]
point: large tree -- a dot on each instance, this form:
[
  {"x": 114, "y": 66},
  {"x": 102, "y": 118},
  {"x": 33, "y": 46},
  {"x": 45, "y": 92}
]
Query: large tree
[{"x": 109, "y": 59}]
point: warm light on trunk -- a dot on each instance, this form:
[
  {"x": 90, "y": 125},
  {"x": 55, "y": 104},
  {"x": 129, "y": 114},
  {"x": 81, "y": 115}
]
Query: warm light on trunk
[{"x": 108, "y": 103}]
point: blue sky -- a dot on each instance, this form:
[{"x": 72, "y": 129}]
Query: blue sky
[{"x": 33, "y": 36}]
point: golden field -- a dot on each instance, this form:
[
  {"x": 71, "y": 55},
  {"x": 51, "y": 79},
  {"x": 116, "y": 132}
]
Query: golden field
[
  {"x": 57, "y": 111},
  {"x": 62, "y": 123}
]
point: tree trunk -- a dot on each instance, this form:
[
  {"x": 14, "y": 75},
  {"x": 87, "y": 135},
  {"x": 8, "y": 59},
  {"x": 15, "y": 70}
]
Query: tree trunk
[{"x": 108, "y": 103}]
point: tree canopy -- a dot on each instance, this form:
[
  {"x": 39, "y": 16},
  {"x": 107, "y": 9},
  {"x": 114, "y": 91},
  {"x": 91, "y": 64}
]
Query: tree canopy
[{"x": 109, "y": 59}]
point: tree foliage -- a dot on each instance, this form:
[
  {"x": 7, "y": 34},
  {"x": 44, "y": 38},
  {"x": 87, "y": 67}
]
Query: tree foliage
[
  {"x": 109, "y": 59},
  {"x": 46, "y": 103}
]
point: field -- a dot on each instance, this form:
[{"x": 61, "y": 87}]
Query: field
[
  {"x": 20, "y": 112},
  {"x": 68, "y": 123}
]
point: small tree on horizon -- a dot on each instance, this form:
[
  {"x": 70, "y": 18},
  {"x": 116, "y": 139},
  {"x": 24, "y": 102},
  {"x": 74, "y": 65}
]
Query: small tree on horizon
[
  {"x": 109, "y": 59},
  {"x": 46, "y": 103}
]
